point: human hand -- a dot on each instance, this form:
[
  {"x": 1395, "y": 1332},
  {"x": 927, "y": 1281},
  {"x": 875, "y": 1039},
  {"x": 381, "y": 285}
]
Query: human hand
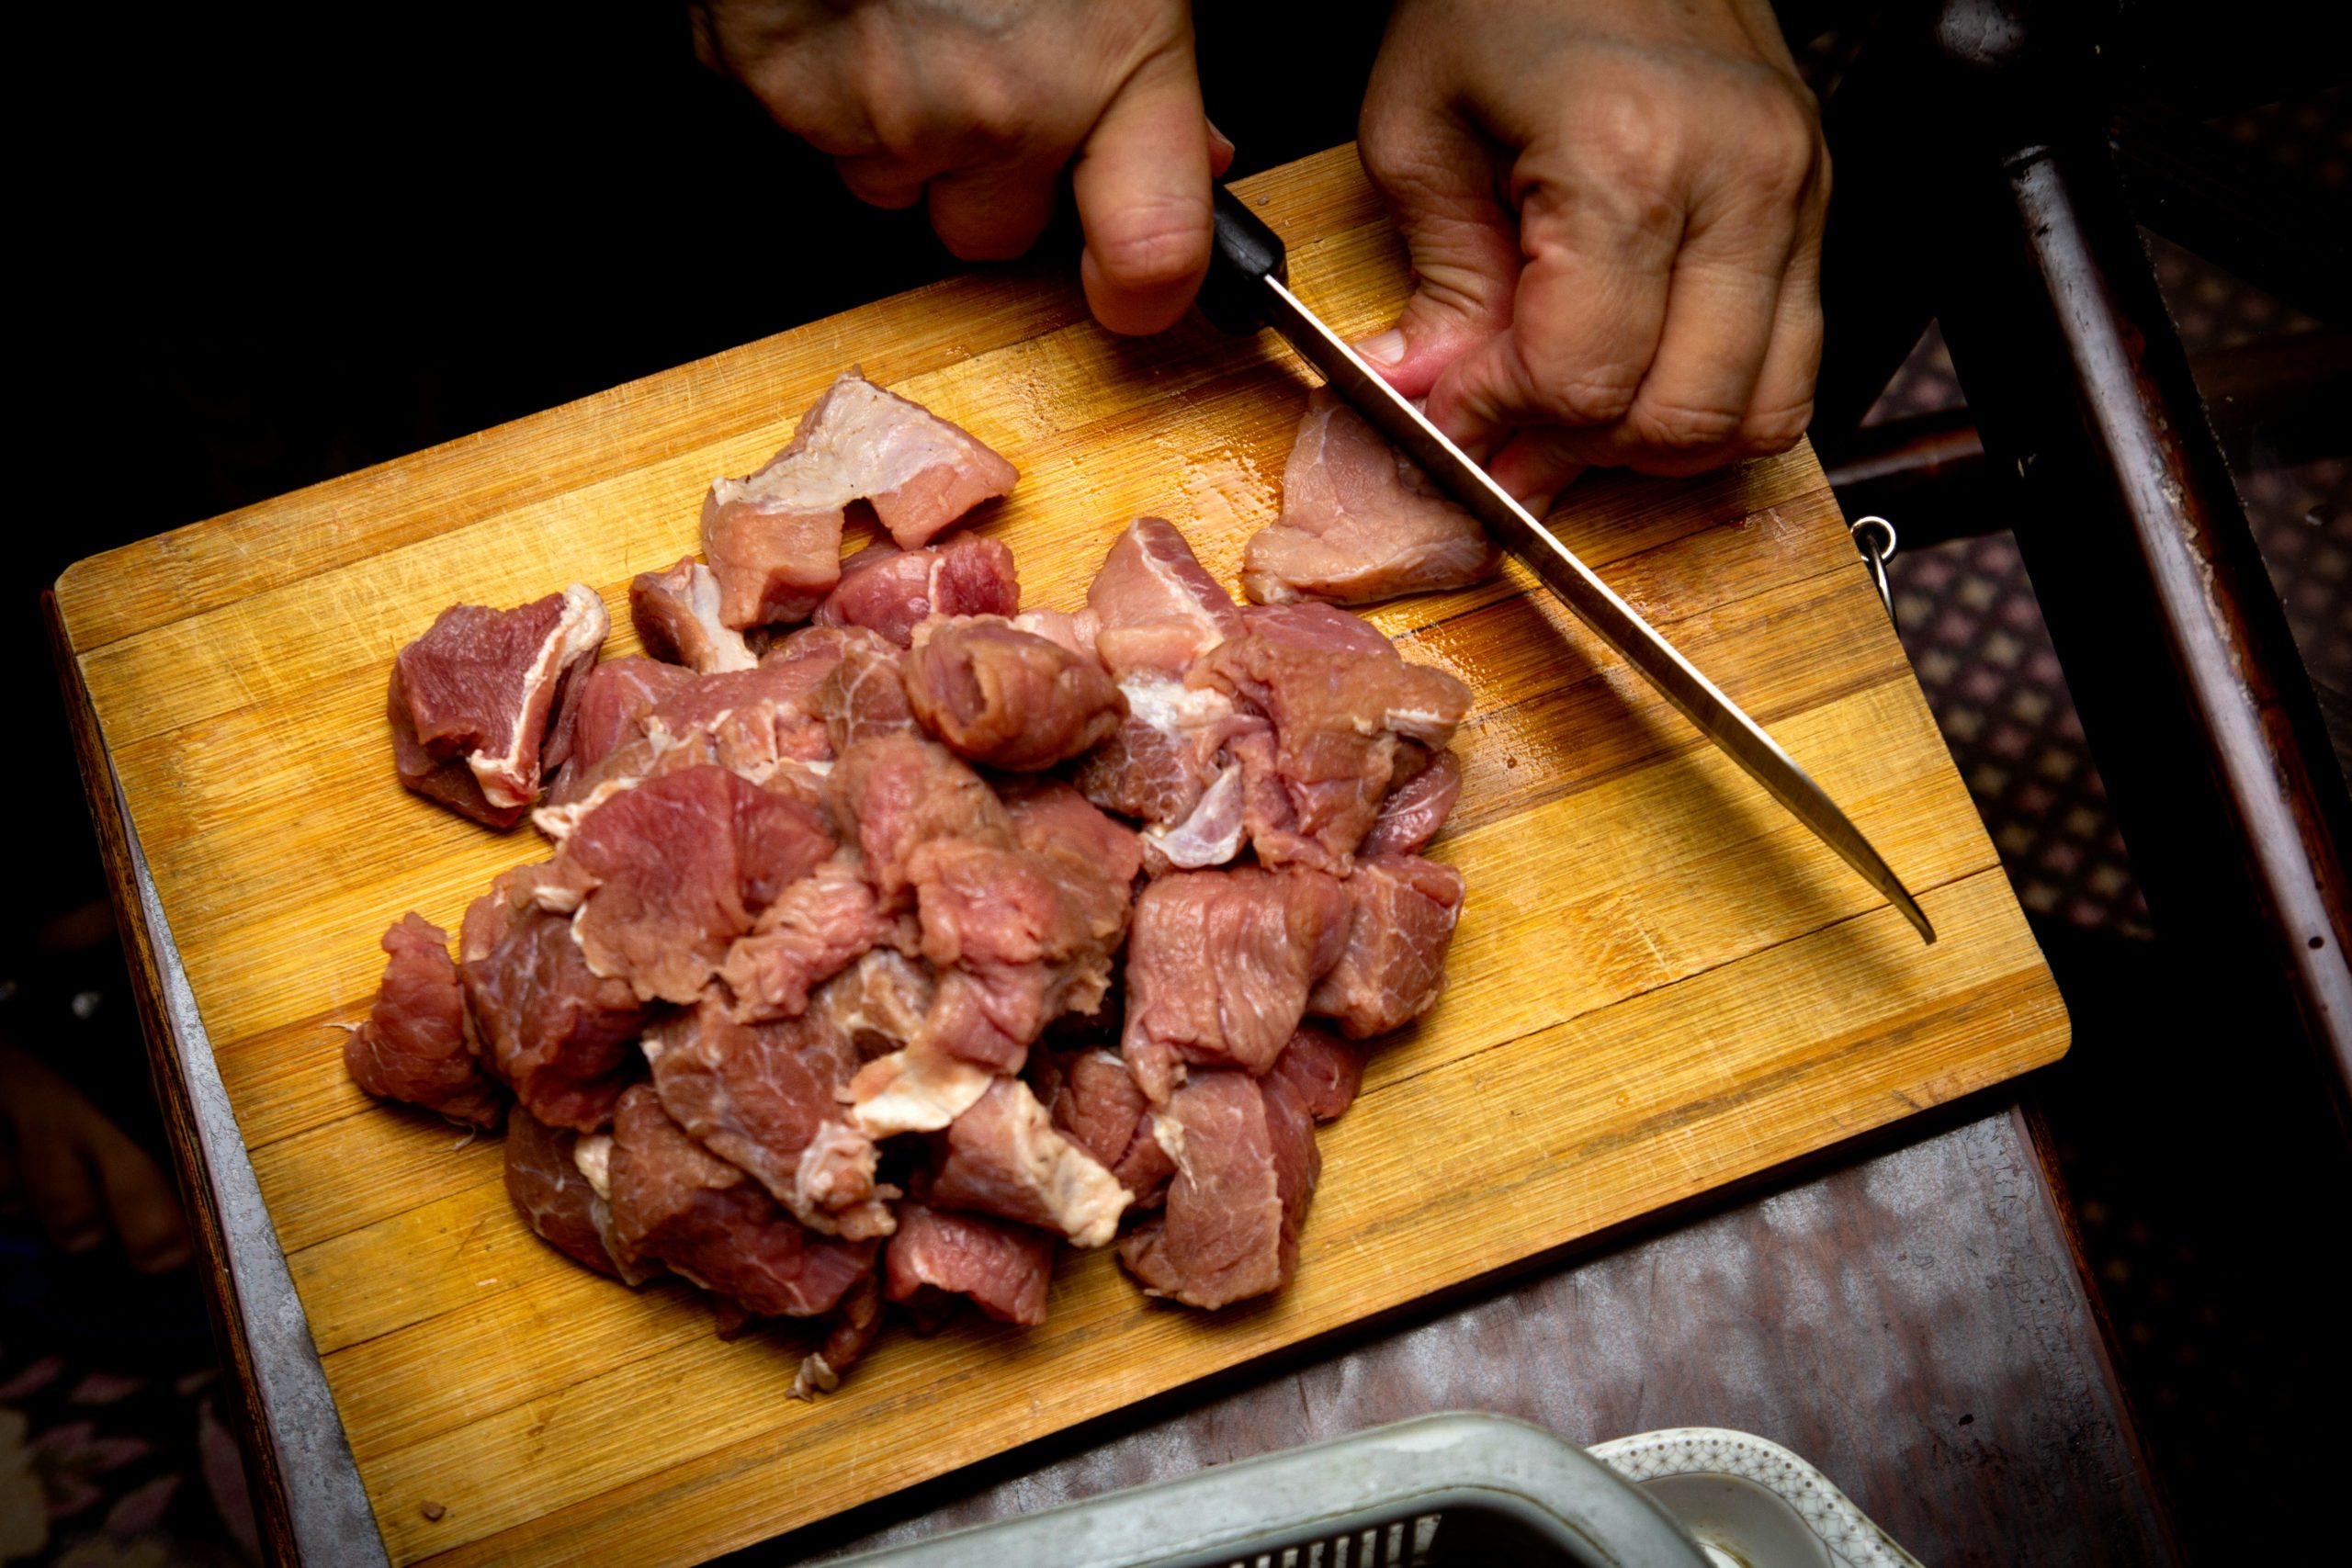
[
  {"x": 82, "y": 1175},
  {"x": 975, "y": 107},
  {"x": 1614, "y": 210}
]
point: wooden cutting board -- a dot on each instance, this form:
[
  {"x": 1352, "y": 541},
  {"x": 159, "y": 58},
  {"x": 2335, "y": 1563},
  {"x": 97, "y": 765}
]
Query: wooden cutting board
[{"x": 1660, "y": 982}]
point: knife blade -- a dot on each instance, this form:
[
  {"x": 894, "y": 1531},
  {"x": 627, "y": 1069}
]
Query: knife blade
[{"x": 1247, "y": 288}]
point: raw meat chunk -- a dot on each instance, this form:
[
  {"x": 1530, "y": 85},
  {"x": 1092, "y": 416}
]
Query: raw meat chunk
[
  {"x": 1074, "y": 633},
  {"x": 1220, "y": 967},
  {"x": 892, "y": 591},
  {"x": 814, "y": 929},
  {"x": 414, "y": 1046},
  {"x": 918, "y": 1089},
  {"x": 1006, "y": 699},
  {"x": 1339, "y": 702},
  {"x": 1155, "y": 606},
  {"x": 557, "y": 1034},
  {"x": 1325, "y": 1071},
  {"x": 677, "y": 613},
  {"x": 1004, "y": 1269},
  {"x": 877, "y": 1003},
  {"x": 1005, "y": 1156},
  {"x": 759, "y": 716},
  {"x": 711, "y": 1223},
  {"x": 1098, "y": 1103},
  {"x": 1049, "y": 818},
  {"x": 896, "y": 794},
  {"x": 765, "y": 1098},
  {"x": 865, "y": 696},
  {"x": 549, "y": 1190},
  {"x": 474, "y": 701},
  {"x": 1421, "y": 794},
  {"x": 679, "y": 867},
  {"x": 1402, "y": 911},
  {"x": 1360, "y": 522},
  {"x": 616, "y": 698},
  {"x": 774, "y": 539},
  {"x": 592, "y": 1155},
  {"x": 1246, "y": 1168}
]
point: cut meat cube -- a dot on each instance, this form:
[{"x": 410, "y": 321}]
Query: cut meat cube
[
  {"x": 1003, "y": 698},
  {"x": 414, "y": 1046},
  {"x": 1402, "y": 911},
  {"x": 1421, "y": 794},
  {"x": 918, "y": 1089},
  {"x": 866, "y": 697},
  {"x": 1050, "y": 818},
  {"x": 756, "y": 718},
  {"x": 1360, "y": 522},
  {"x": 1339, "y": 702},
  {"x": 1324, "y": 1070},
  {"x": 547, "y": 1188},
  {"x": 615, "y": 699},
  {"x": 1097, "y": 1102},
  {"x": 892, "y": 591},
  {"x": 894, "y": 794},
  {"x": 855, "y": 1322},
  {"x": 1246, "y": 1168},
  {"x": 1155, "y": 606},
  {"x": 555, "y": 1033},
  {"x": 1005, "y": 1156},
  {"x": 1220, "y": 967},
  {"x": 711, "y": 1223},
  {"x": 676, "y": 613},
  {"x": 1003, "y": 1269},
  {"x": 475, "y": 700},
  {"x": 1163, "y": 755},
  {"x": 814, "y": 929},
  {"x": 767, "y": 1098},
  {"x": 774, "y": 539},
  {"x": 877, "y": 1003},
  {"x": 677, "y": 868},
  {"x": 1074, "y": 633},
  {"x": 591, "y": 1155}
]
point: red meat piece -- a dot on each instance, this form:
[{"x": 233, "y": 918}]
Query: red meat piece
[
  {"x": 1402, "y": 911},
  {"x": 1003, "y": 1269},
  {"x": 892, "y": 591},
  {"x": 677, "y": 614},
  {"x": 1005, "y": 1156},
  {"x": 1246, "y": 1168},
  {"x": 1003, "y": 698},
  {"x": 554, "y": 1031},
  {"x": 1155, "y": 606},
  {"x": 414, "y": 1046}
]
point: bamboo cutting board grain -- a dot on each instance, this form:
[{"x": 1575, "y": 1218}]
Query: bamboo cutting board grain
[{"x": 1660, "y": 982}]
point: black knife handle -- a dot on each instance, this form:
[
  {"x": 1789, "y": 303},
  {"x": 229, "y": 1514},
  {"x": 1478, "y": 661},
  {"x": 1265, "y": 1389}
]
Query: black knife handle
[{"x": 1246, "y": 254}]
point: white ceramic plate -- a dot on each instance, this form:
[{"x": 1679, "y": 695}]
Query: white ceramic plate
[{"x": 1751, "y": 1503}]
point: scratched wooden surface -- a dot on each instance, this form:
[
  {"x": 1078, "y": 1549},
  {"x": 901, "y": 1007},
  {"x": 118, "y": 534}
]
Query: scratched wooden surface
[{"x": 1659, "y": 983}]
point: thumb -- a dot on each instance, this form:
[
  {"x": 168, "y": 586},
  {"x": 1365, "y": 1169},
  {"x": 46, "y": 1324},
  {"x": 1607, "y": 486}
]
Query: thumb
[
  {"x": 1439, "y": 178},
  {"x": 1142, "y": 185}
]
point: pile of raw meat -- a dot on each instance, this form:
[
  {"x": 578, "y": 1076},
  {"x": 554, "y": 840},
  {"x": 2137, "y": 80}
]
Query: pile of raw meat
[{"x": 880, "y": 955}]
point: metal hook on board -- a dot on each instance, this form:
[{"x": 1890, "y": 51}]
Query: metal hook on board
[{"x": 1876, "y": 556}]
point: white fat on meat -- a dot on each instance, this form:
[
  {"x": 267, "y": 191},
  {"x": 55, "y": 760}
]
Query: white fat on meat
[
  {"x": 578, "y": 634},
  {"x": 1212, "y": 833},
  {"x": 914, "y": 1090},
  {"x": 593, "y": 1156},
  {"x": 865, "y": 445}
]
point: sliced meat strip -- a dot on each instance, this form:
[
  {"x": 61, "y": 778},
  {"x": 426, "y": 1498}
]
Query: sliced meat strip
[
  {"x": 892, "y": 590},
  {"x": 897, "y": 793},
  {"x": 766, "y": 1099},
  {"x": 546, "y": 1188},
  {"x": 678, "y": 868},
  {"x": 483, "y": 688},
  {"x": 1098, "y": 1103},
  {"x": 1003, "y": 1269},
  {"x": 1402, "y": 911},
  {"x": 677, "y": 614},
  {"x": 414, "y": 1046},
  {"x": 1340, "y": 703},
  {"x": 1421, "y": 794},
  {"x": 1325, "y": 1071},
  {"x": 773, "y": 539},
  {"x": 1001, "y": 697},
  {"x": 855, "y": 1325},
  {"x": 816, "y": 928},
  {"x": 1005, "y": 1156},
  {"x": 560, "y": 1035},
  {"x": 1246, "y": 1168},
  {"x": 1155, "y": 606},
  {"x": 1360, "y": 522},
  {"x": 1219, "y": 964},
  {"x": 713, "y": 1224}
]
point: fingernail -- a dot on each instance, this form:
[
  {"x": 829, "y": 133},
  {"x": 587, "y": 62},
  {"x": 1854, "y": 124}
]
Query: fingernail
[
  {"x": 1385, "y": 350},
  {"x": 1219, "y": 137}
]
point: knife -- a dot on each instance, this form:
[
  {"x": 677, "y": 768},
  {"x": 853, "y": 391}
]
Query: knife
[{"x": 1247, "y": 288}]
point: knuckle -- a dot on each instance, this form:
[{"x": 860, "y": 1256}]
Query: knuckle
[
  {"x": 1766, "y": 431},
  {"x": 1682, "y": 427},
  {"x": 1781, "y": 147},
  {"x": 1587, "y": 397}
]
